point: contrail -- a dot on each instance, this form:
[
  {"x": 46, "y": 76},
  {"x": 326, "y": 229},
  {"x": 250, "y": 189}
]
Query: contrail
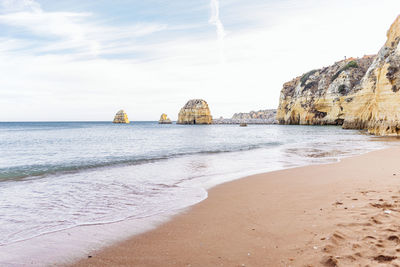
[{"x": 215, "y": 20}]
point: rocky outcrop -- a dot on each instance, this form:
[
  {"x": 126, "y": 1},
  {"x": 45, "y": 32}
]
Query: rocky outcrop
[
  {"x": 164, "y": 119},
  {"x": 320, "y": 96},
  {"x": 267, "y": 116},
  {"x": 196, "y": 111},
  {"x": 376, "y": 105},
  {"x": 358, "y": 93},
  {"x": 121, "y": 117}
]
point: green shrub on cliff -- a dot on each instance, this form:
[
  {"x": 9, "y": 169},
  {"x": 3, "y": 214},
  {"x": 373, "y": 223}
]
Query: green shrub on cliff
[
  {"x": 351, "y": 64},
  {"x": 305, "y": 77}
]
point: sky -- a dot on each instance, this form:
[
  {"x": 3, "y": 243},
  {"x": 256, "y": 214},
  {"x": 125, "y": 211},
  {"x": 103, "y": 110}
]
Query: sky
[{"x": 83, "y": 60}]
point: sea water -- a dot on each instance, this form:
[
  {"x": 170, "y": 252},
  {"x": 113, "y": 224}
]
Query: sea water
[{"x": 61, "y": 175}]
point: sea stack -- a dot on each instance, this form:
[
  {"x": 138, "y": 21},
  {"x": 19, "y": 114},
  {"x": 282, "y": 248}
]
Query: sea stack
[
  {"x": 164, "y": 119},
  {"x": 195, "y": 111},
  {"x": 121, "y": 117}
]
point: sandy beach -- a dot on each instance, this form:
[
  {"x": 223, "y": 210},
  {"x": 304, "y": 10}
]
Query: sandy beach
[
  {"x": 199, "y": 133},
  {"x": 341, "y": 214}
]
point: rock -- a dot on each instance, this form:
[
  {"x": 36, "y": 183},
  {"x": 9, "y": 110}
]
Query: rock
[
  {"x": 376, "y": 105},
  {"x": 164, "y": 119},
  {"x": 121, "y": 117},
  {"x": 356, "y": 93},
  {"x": 267, "y": 116},
  {"x": 320, "y": 96},
  {"x": 195, "y": 111},
  {"x": 261, "y": 114}
]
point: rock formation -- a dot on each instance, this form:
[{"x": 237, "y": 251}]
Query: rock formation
[
  {"x": 265, "y": 116},
  {"x": 320, "y": 96},
  {"x": 376, "y": 105},
  {"x": 358, "y": 93},
  {"x": 195, "y": 111},
  {"x": 121, "y": 117},
  {"x": 253, "y": 117},
  {"x": 164, "y": 119}
]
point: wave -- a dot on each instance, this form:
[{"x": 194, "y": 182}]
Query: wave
[{"x": 25, "y": 172}]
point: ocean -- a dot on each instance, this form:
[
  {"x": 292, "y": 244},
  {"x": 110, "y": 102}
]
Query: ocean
[{"x": 61, "y": 175}]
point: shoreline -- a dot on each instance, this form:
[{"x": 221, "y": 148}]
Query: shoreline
[
  {"x": 80, "y": 241},
  {"x": 291, "y": 216}
]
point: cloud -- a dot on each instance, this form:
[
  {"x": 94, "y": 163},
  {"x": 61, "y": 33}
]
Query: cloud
[
  {"x": 70, "y": 32},
  {"x": 92, "y": 67},
  {"x": 17, "y": 5}
]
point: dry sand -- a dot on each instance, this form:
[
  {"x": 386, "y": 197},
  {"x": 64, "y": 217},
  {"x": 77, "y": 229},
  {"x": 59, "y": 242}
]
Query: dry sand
[{"x": 341, "y": 214}]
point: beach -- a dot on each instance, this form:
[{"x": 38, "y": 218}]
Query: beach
[
  {"x": 128, "y": 182},
  {"x": 192, "y": 133},
  {"x": 341, "y": 214}
]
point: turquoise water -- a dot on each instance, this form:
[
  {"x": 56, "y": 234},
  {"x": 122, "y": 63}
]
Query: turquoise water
[{"x": 59, "y": 175}]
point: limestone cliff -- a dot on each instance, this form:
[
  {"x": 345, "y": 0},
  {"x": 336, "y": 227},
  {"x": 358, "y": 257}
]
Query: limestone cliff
[
  {"x": 196, "y": 111},
  {"x": 358, "y": 93},
  {"x": 121, "y": 117},
  {"x": 319, "y": 96},
  {"x": 376, "y": 106},
  {"x": 164, "y": 119}
]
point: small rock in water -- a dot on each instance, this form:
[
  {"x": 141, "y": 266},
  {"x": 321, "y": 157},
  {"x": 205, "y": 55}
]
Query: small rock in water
[
  {"x": 164, "y": 119},
  {"x": 121, "y": 117}
]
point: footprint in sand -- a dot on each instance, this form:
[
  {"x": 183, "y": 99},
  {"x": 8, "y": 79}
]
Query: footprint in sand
[
  {"x": 383, "y": 258},
  {"x": 369, "y": 236},
  {"x": 376, "y": 221},
  {"x": 394, "y": 238},
  {"x": 329, "y": 261}
]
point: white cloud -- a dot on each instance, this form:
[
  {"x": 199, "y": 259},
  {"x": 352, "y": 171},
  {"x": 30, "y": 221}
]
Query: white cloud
[
  {"x": 16, "y": 5},
  {"x": 78, "y": 32},
  {"x": 259, "y": 59}
]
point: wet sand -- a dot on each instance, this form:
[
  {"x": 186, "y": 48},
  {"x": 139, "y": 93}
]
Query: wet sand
[{"x": 341, "y": 214}]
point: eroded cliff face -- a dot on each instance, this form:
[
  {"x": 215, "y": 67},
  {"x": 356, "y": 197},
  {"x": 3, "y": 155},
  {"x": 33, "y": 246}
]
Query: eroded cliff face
[
  {"x": 358, "y": 93},
  {"x": 376, "y": 106},
  {"x": 320, "y": 96},
  {"x": 196, "y": 111}
]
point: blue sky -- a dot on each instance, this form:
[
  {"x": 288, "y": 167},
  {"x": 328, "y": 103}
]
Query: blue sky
[{"x": 85, "y": 60}]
